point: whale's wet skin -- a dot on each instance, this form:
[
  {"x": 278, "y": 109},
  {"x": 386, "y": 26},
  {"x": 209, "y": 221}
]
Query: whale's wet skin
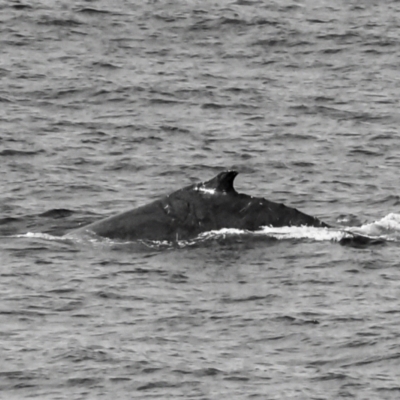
[{"x": 198, "y": 208}]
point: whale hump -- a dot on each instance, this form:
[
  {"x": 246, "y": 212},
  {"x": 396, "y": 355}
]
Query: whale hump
[
  {"x": 223, "y": 182},
  {"x": 200, "y": 207}
]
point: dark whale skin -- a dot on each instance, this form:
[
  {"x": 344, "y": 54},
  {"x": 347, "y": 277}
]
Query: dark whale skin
[{"x": 201, "y": 207}]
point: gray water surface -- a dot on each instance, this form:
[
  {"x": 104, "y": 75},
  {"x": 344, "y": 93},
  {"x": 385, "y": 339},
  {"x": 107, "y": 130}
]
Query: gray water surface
[{"x": 105, "y": 106}]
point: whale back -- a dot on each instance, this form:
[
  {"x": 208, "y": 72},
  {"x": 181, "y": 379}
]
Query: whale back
[{"x": 200, "y": 207}]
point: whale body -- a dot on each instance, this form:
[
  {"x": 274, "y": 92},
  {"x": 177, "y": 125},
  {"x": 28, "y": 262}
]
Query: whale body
[{"x": 198, "y": 208}]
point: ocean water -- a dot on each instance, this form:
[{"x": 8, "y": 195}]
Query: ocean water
[{"x": 105, "y": 106}]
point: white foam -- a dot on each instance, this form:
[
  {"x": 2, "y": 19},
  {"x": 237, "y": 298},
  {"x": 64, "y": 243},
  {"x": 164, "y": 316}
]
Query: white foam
[
  {"x": 44, "y": 236},
  {"x": 387, "y": 227},
  {"x": 38, "y": 235},
  {"x": 286, "y": 232},
  {"x": 304, "y": 232},
  {"x": 224, "y": 232}
]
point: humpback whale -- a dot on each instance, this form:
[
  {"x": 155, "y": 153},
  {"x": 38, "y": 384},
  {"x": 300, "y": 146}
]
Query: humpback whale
[{"x": 198, "y": 208}]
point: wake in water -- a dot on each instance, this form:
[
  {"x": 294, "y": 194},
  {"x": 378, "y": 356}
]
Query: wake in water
[
  {"x": 387, "y": 228},
  {"x": 383, "y": 230}
]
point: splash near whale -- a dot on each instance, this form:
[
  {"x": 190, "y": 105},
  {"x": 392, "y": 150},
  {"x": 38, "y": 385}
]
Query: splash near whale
[{"x": 202, "y": 207}]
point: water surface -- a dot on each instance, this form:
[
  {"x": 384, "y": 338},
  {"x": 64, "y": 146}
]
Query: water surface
[{"x": 108, "y": 105}]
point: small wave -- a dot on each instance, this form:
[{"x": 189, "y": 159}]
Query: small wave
[
  {"x": 60, "y": 22},
  {"x": 89, "y": 10},
  {"x": 388, "y": 227},
  {"x": 57, "y": 213},
  {"x": 13, "y": 152}
]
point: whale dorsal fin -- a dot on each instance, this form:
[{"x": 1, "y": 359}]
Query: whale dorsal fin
[{"x": 223, "y": 182}]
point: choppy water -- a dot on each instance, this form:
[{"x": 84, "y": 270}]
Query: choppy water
[{"x": 107, "y": 105}]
